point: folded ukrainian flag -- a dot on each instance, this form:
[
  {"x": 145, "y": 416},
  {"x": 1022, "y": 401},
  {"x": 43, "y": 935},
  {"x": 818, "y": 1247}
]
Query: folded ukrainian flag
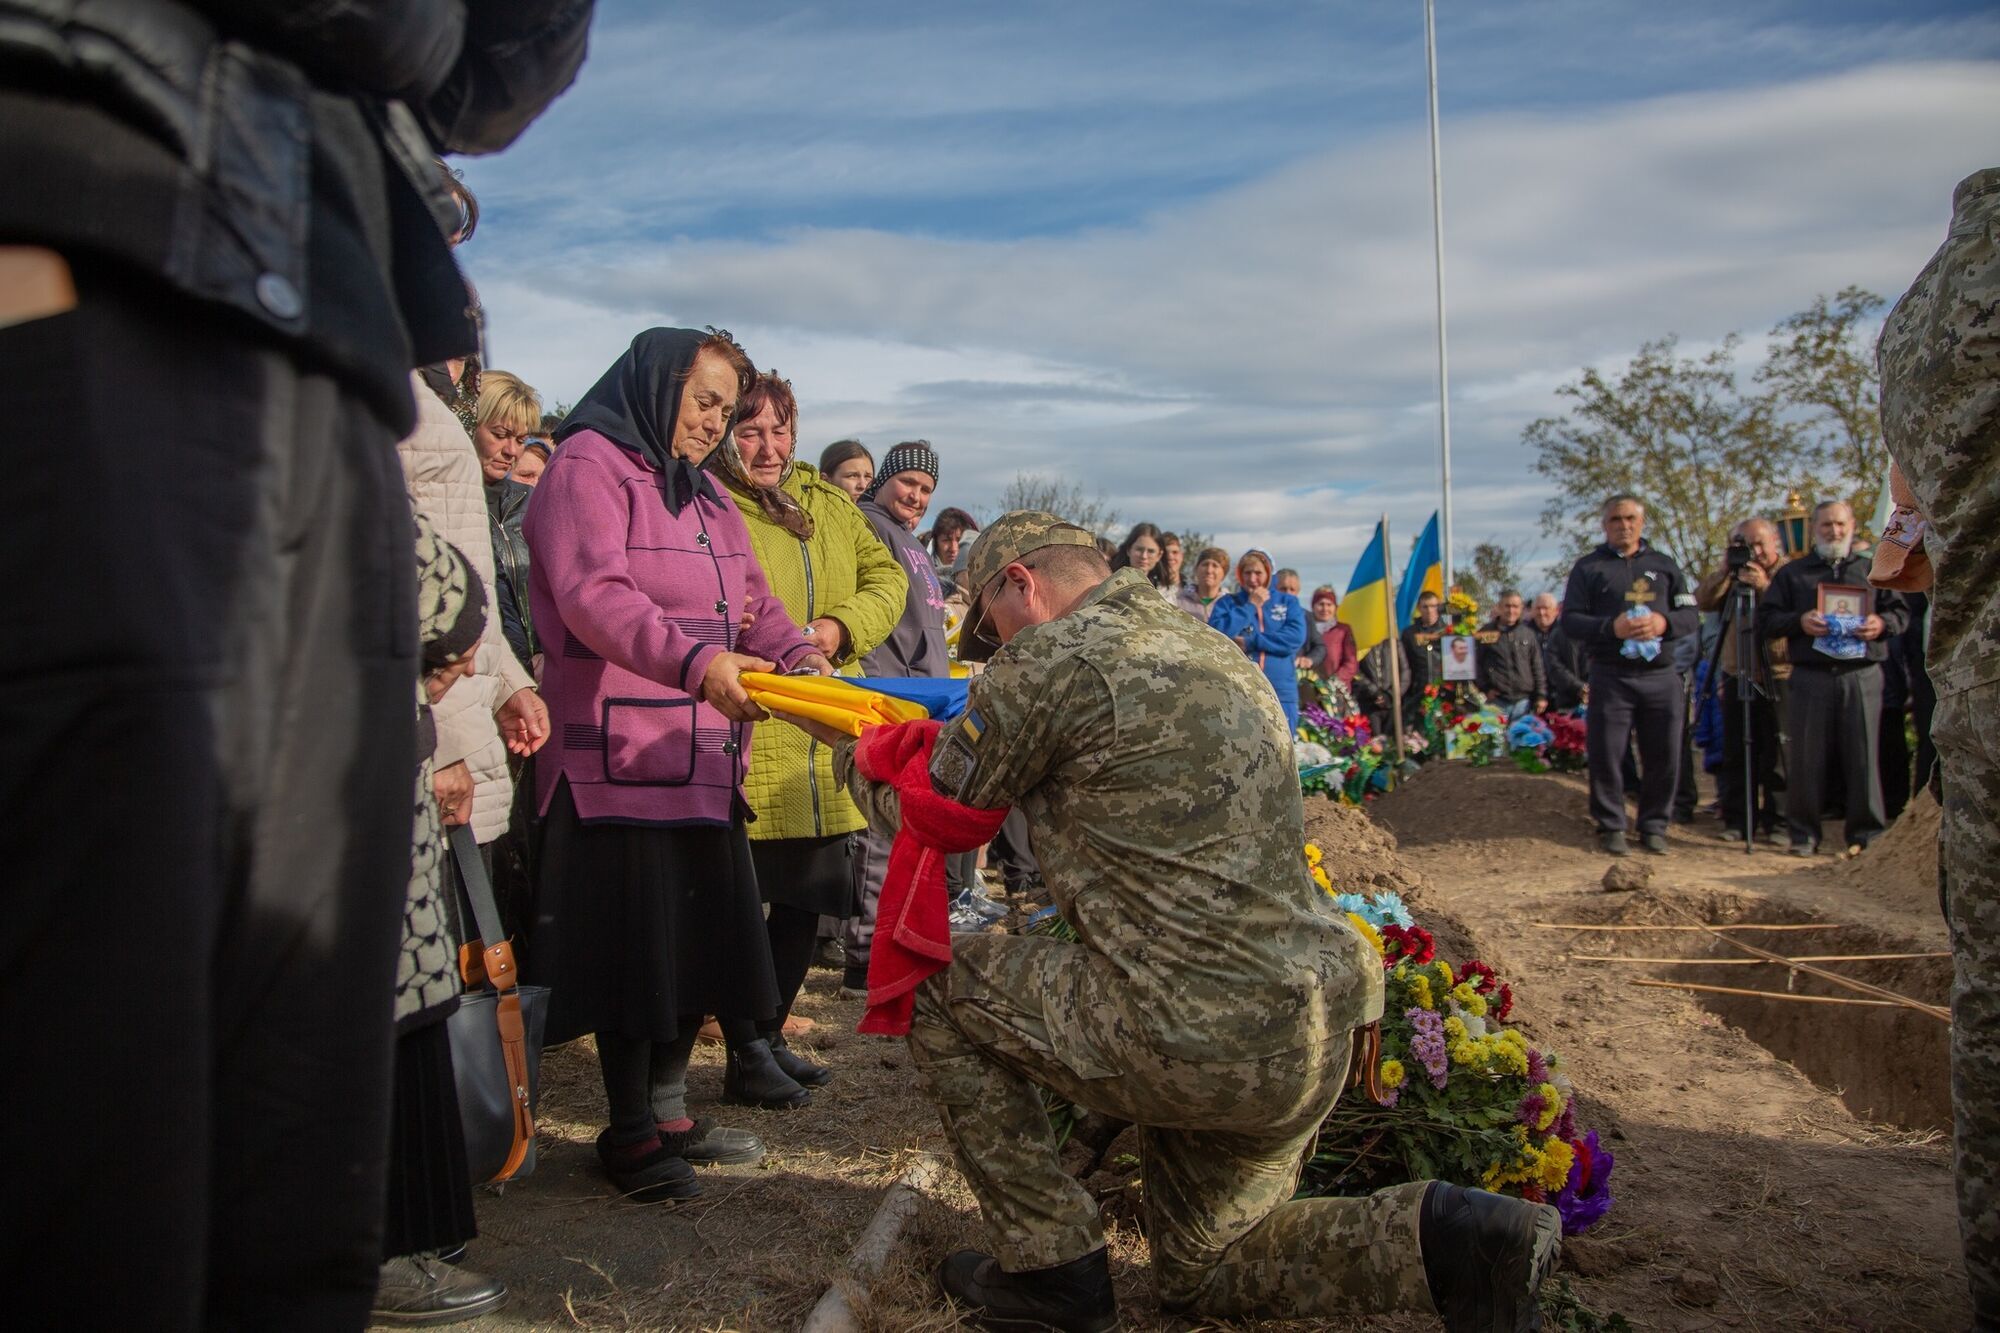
[{"x": 830, "y": 700}]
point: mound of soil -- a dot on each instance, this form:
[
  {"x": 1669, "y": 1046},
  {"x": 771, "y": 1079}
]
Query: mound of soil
[
  {"x": 1902, "y": 865},
  {"x": 1361, "y": 857},
  {"x": 1497, "y": 807}
]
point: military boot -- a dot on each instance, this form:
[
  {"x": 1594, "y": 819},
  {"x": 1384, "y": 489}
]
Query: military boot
[
  {"x": 1075, "y": 1297},
  {"x": 1485, "y": 1256}
]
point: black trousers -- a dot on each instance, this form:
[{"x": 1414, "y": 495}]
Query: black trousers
[
  {"x": 1893, "y": 762},
  {"x": 1651, "y": 705},
  {"x": 207, "y": 738},
  {"x": 1764, "y": 754},
  {"x": 1832, "y": 724}
]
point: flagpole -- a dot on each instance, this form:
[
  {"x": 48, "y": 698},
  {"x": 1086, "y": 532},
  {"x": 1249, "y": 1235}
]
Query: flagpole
[
  {"x": 1437, "y": 239},
  {"x": 1395, "y": 640}
]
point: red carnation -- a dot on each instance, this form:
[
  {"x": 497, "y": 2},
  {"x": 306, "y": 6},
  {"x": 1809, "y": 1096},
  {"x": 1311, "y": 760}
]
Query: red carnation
[
  {"x": 1411, "y": 944},
  {"x": 1504, "y": 1004},
  {"x": 1488, "y": 979}
]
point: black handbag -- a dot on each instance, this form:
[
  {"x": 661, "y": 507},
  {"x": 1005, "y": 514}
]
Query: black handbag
[{"x": 496, "y": 1036}]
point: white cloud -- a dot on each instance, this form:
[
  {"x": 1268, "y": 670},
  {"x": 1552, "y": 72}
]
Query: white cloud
[{"x": 1201, "y": 364}]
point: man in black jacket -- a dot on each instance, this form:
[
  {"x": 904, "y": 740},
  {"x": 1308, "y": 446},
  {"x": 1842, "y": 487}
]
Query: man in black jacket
[
  {"x": 1833, "y": 706},
  {"x": 225, "y": 247},
  {"x": 1561, "y": 663},
  {"x": 1420, "y": 649},
  {"x": 1623, "y": 605},
  {"x": 1511, "y": 672}
]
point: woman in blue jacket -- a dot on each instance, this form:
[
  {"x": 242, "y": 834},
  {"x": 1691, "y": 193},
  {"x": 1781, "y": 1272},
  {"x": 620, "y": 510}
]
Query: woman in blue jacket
[{"x": 1269, "y": 626}]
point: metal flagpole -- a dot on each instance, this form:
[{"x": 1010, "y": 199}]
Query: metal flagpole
[
  {"x": 1395, "y": 641},
  {"x": 1437, "y": 235}
]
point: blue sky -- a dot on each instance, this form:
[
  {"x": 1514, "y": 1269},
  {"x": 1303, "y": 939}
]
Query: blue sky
[{"x": 1180, "y": 253}]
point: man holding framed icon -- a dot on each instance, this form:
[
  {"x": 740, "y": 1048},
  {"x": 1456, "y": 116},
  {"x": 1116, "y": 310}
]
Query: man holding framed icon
[{"x": 1835, "y": 629}]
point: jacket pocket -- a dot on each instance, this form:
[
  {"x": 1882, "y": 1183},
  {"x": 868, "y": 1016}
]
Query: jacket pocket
[{"x": 649, "y": 742}]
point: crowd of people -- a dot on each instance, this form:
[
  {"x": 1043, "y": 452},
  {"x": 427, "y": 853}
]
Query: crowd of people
[{"x": 369, "y": 572}]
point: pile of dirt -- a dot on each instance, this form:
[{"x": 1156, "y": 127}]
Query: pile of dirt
[
  {"x": 1902, "y": 865},
  {"x": 1361, "y": 856},
  {"x": 1499, "y": 808}
]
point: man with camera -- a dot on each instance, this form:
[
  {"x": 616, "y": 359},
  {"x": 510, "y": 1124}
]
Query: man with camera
[
  {"x": 1734, "y": 590},
  {"x": 1818, "y": 606}
]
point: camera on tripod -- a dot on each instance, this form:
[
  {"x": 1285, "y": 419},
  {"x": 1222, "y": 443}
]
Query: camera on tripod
[{"x": 1738, "y": 556}]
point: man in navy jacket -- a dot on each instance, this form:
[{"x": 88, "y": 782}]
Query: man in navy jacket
[{"x": 1624, "y": 605}]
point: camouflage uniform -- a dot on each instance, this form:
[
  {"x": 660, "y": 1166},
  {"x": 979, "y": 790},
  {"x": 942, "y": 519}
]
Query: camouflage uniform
[
  {"x": 1940, "y": 366},
  {"x": 1214, "y": 992}
]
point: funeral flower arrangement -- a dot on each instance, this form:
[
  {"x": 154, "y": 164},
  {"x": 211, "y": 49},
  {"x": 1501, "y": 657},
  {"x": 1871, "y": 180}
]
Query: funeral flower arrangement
[
  {"x": 1339, "y": 756},
  {"x": 1465, "y": 1098}
]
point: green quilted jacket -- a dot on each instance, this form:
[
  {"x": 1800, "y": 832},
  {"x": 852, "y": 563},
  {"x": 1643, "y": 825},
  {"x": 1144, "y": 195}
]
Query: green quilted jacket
[{"x": 844, "y": 572}]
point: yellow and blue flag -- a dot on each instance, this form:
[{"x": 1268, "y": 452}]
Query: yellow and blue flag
[
  {"x": 1365, "y": 608},
  {"x": 1424, "y": 573}
]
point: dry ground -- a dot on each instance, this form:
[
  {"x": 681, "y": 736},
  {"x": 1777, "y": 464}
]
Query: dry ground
[{"x": 1750, "y": 1196}]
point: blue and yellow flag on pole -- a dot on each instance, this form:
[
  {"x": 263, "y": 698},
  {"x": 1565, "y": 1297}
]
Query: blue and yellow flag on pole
[
  {"x": 1424, "y": 573},
  {"x": 1365, "y": 608}
]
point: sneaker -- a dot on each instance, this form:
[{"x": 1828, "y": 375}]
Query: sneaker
[
  {"x": 1075, "y": 1297},
  {"x": 973, "y": 901},
  {"x": 830, "y": 954},
  {"x": 1613, "y": 842},
  {"x": 1731, "y": 835},
  {"x": 1656, "y": 843},
  {"x": 646, "y": 1172},
  {"x": 854, "y": 982},
  {"x": 424, "y": 1289},
  {"x": 967, "y": 920},
  {"x": 1804, "y": 848}
]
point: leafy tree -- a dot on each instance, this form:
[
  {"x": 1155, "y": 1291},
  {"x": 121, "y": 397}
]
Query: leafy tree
[
  {"x": 1064, "y": 499},
  {"x": 1820, "y": 376},
  {"x": 1494, "y": 569},
  {"x": 1677, "y": 432}
]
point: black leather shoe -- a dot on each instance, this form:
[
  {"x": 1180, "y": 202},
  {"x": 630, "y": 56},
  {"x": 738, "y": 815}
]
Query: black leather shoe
[
  {"x": 1612, "y": 842},
  {"x": 709, "y": 1144},
  {"x": 1075, "y": 1297},
  {"x": 803, "y": 1071},
  {"x": 646, "y": 1174},
  {"x": 1485, "y": 1257},
  {"x": 752, "y": 1078},
  {"x": 423, "y": 1289}
]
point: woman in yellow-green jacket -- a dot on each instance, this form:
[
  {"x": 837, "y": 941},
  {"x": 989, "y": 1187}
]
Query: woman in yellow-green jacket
[{"x": 825, "y": 563}]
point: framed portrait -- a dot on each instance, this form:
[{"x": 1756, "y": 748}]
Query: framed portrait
[
  {"x": 1842, "y": 599},
  {"x": 1461, "y": 657}
]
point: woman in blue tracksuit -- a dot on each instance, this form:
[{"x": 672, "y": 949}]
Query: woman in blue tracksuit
[{"x": 1270, "y": 626}]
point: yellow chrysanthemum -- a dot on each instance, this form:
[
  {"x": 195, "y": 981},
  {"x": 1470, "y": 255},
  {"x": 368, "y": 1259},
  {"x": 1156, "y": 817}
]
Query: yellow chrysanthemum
[
  {"x": 1420, "y": 991},
  {"x": 1454, "y": 1029},
  {"x": 1368, "y": 932},
  {"x": 1556, "y": 1159},
  {"x": 1444, "y": 969},
  {"x": 1392, "y": 1073},
  {"x": 1469, "y": 999},
  {"x": 1313, "y": 854},
  {"x": 1552, "y": 1107}
]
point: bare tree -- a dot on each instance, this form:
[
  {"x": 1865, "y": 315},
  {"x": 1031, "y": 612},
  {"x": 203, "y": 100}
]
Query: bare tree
[{"x": 1064, "y": 499}]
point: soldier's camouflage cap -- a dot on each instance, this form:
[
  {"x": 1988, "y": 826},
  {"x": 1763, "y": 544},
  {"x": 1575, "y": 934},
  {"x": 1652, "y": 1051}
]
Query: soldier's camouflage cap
[{"x": 1006, "y": 539}]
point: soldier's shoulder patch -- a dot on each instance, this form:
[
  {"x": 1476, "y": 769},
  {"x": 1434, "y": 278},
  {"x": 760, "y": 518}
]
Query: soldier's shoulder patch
[
  {"x": 973, "y": 725},
  {"x": 954, "y": 761}
]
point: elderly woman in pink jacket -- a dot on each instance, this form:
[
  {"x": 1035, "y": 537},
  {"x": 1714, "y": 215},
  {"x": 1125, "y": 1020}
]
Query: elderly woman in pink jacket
[{"x": 650, "y": 606}]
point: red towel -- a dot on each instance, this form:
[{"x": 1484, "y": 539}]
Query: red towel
[{"x": 912, "y": 926}]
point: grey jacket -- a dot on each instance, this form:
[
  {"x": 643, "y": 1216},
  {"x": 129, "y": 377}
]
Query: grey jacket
[{"x": 916, "y": 647}]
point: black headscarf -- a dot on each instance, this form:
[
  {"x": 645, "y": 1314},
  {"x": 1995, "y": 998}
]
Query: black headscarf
[{"x": 637, "y": 401}]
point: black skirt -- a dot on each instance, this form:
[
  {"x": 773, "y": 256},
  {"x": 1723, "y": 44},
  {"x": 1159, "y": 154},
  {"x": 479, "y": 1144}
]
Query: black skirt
[
  {"x": 637, "y": 927},
  {"x": 810, "y": 874},
  {"x": 430, "y": 1183}
]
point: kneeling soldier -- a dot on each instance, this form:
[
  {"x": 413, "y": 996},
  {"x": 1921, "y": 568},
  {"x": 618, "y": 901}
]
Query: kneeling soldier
[{"x": 1213, "y": 997}]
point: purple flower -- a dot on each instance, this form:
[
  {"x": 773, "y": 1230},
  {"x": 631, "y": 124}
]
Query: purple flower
[
  {"x": 1427, "y": 1043},
  {"x": 1585, "y": 1197},
  {"x": 1533, "y": 1107},
  {"x": 1391, "y": 1096},
  {"x": 1538, "y": 1068},
  {"x": 1565, "y": 1126}
]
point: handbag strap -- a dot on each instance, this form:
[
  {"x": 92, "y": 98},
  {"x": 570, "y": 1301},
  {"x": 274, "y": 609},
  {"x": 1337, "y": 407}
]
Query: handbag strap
[{"x": 494, "y": 965}]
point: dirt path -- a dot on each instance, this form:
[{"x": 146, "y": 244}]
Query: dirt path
[{"x": 1749, "y": 1195}]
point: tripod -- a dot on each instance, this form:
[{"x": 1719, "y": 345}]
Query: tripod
[{"x": 1740, "y": 610}]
